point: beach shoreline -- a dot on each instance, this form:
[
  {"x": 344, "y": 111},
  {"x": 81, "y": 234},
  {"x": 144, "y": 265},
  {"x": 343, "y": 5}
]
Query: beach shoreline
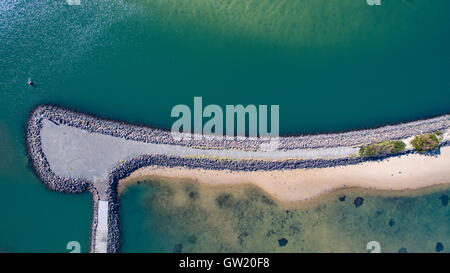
[{"x": 393, "y": 176}]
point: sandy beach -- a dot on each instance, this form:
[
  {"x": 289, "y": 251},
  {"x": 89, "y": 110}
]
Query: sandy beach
[{"x": 408, "y": 172}]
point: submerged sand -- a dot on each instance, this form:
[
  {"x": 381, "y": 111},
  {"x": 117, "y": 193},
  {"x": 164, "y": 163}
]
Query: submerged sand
[{"x": 407, "y": 172}]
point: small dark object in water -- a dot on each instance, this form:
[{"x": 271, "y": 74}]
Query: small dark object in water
[
  {"x": 342, "y": 198},
  {"x": 282, "y": 242},
  {"x": 358, "y": 201},
  {"x": 193, "y": 195},
  {"x": 242, "y": 237},
  {"x": 178, "y": 248},
  {"x": 403, "y": 250},
  {"x": 224, "y": 200},
  {"x": 30, "y": 82},
  {"x": 391, "y": 222},
  {"x": 192, "y": 239},
  {"x": 444, "y": 199},
  {"x": 439, "y": 247}
]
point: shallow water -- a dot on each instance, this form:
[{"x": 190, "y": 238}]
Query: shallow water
[
  {"x": 176, "y": 216},
  {"x": 331, "y": 65}
]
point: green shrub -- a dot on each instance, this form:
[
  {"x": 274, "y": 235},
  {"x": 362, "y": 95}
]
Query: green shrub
[
  {"x": 382, "y": 149},
  {"x": 425, "y": 143}
]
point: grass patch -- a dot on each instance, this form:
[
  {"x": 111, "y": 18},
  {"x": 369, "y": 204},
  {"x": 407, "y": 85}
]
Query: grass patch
[
  {"x": 425, "y": 142},
  {"x": 382, "y": 148}
]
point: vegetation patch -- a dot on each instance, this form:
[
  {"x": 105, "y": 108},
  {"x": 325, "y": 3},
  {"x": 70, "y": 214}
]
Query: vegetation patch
[
  {"x": 425, "y": 142},
  {"x": 382, "y": 149}
]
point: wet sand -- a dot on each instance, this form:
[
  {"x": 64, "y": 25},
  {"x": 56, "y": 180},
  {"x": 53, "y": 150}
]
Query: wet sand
[{"x": 407, "y": 172}]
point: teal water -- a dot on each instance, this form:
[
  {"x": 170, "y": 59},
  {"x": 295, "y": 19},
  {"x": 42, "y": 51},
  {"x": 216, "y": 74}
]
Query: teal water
[
  {"x": 331, "y": 65},
  {"x": 173, "y": 217}
]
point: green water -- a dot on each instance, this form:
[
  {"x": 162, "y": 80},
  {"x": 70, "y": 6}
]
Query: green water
[{"x": 331, "y": 65}]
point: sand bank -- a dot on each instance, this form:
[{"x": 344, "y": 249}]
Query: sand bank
[{"x": 407, "y": 172}]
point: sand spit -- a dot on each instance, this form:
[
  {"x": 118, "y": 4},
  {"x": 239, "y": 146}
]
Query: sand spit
[{"x": 406, "y": 172}]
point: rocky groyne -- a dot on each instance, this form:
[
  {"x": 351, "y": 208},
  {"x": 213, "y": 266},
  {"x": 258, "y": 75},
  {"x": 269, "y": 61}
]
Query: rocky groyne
[
  {"x": 152, "y": 135},
  {"x": 92, "y": 124}
]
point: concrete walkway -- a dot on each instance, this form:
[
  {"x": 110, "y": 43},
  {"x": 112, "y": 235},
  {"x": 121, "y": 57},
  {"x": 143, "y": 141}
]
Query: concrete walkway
[
  {"x": 101, "y": 231},
  {"x": 76, "y": 153}
]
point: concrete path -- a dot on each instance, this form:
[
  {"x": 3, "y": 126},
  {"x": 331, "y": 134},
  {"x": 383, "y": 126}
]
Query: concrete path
[
  {"x": 76, "y": 153},
  {"x": 101, "y": 231}
]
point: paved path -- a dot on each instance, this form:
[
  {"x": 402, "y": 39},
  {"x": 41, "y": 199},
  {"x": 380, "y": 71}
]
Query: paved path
[
  {"x": 76, "y": 153},
  {"x": 101, "y": 231}
]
